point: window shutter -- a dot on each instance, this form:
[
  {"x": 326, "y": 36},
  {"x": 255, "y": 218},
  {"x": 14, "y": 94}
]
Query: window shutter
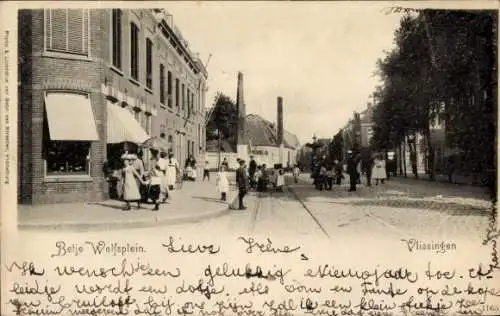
[
  {"x": 76, "y": 31},
  {"x": 58, "y": 29}
]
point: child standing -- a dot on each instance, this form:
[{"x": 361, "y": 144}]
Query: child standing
[
  {"x": 222, "y": 183},
  {"x": 296, "y": 173},
  {"x": 280, "y": 180},
  {"x": 329, "y": 176},
  {"x": 206, "y": 172},
  {"x": 155, "y": 186}
]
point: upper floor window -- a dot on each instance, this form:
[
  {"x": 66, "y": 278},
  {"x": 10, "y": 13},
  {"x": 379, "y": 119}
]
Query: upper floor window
[
  {"x": 183, "y": 94},
  {"x": 177, "y": 83},
  {"x": 117, "y": 38},
  {"x": 149, "y": 63},
  {"x": 67, "y": 31},
  {"x": 169, "y": 88},
  {"x": 134, "y": 51},
  {"x": 162, "y": 84}
]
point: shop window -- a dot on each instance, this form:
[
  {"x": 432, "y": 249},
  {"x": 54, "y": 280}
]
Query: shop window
[
  {"x": 134, "y": 51},
  {"x": 67, "y": 157},
  {"x": 117, "y": 38},
  {"x": 67, "y": 31}
]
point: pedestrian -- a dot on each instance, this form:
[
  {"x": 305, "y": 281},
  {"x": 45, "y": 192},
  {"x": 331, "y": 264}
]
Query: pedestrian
[
  {"x": 322, "y": 178},
  {"x": 130, "y": 189},
  {"x": 225, "y": 163},
  {"x": 252, "y": 168},
  {"x": 139, "y": 167},
  {"x": 368, "y": 166},
  {"x": 378, "y": 170},
  {"x": 264, "y": 177},
  {"x": 242, "y": 182},
  {"x": 155, "y": 182},
  {"x": 172, "y": 171},
  {"x": 296, "y": 173},
  {"x": 358, "y": 169},
  {"x": 329, "y": 177},
  {"x": 280, "y": 181},
  {"x": 339, "y": 175},
  {"x": 162, "y": 165},
  {"x": 222, "y": 183},
  {"x": 258, "y": 179},
  {"x": 206, "y": 171},
  {"x": 351, "y": 171}
]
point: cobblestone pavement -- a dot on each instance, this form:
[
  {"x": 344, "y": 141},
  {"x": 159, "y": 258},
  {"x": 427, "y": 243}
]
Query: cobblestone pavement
[{"x": 397, "y": 209}]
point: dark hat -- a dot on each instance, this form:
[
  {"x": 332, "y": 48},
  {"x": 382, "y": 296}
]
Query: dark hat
[{"x": 241, "y": 161}]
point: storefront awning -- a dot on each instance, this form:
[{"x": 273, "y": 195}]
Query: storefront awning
[
  {"x": 122, "y": 126},
  {"x": 70, "y": 117}
]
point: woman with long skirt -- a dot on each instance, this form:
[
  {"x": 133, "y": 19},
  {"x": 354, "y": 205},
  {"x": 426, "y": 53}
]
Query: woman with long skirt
[{"x": 130, "y": 188}]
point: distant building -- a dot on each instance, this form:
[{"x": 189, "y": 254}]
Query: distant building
[
  {"x": 366, "y": 126},
  {"x": 262, "y": 136}
]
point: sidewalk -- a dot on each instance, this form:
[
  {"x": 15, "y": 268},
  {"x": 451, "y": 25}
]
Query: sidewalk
[{"x": 194, "y": 202}]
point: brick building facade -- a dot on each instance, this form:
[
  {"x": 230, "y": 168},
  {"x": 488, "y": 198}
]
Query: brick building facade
[{"x": 77, "y": 64}]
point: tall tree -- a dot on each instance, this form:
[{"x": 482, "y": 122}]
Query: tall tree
[
  {"x": 224, "y": 119},
  {"x": 444, "y": 65}
]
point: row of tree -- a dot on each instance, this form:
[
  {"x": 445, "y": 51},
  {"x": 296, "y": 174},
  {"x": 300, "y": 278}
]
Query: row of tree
[{"x": 443, "y": 66}]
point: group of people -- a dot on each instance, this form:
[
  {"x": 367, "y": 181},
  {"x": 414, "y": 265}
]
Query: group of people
[
  {"x": 325, "y": 175},
  {"x": 256, "y": 177},
  {"x": 140, "y": 186},
  {"x": 242, "y": 181}
]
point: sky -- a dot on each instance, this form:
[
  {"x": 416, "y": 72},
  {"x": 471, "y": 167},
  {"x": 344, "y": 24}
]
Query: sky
[{"x": 319, "y": 56}]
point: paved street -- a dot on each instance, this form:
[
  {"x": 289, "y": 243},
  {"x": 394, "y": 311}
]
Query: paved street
[
  {"x": 400, "y": 208},
  {"x": 397, "y": 208}
]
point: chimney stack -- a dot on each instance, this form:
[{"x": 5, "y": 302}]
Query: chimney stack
[
  {"x": 240, "y": 105},
  {"x": 280, "y": 121}
]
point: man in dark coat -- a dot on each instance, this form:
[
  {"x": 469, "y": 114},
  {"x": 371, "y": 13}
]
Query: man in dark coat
[
  {"x": 252, "y": 167},
  {"x": 351, "y": 170},
  {"x": 242, "y": 182},
  {"x": 367, "y": 166}
]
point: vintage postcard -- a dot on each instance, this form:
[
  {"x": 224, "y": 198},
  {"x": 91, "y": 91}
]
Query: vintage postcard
[{"x": 249, "y": 158}]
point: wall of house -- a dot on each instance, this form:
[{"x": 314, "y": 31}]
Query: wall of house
[
  {"x": 44, "y": 70},
  {"x": 48, "y": 71}
]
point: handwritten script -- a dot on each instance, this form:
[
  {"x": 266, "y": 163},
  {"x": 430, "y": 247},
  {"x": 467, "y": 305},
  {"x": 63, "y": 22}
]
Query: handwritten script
[{"x": 203, "y": 279}]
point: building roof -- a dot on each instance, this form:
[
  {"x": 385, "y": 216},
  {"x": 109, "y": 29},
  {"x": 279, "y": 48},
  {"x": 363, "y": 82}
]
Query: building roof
[{"x": 261, "y": 132}]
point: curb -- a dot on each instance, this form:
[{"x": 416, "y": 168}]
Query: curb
[{"x": 116, "y": 225}]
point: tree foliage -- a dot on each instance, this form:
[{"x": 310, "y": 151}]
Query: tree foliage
[
  {"x": 443, "y": 65},
  {"x": 224, "y": 119}
]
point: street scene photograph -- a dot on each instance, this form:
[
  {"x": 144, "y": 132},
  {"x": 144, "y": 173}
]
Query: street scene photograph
[{"x": 311, "y": 120}]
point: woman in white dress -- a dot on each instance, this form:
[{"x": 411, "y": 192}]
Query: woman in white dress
[
  {"x": 172, "y": 170},
  {"x": 378, "y": 170},
  {"x": 130, "y": 188},
  {"x": 222, "y": 183}
]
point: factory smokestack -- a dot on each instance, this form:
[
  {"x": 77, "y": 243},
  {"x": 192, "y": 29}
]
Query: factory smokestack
[
  {"x": 280, "y": 121},
  {"x": 240, "y": 105}
]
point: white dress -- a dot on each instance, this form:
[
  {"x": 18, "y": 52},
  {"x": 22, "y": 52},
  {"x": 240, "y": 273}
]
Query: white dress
[
  {"x": 222, "y": 182},
  {"x": 378, "y": 170},
  {"x": 162, "y": 163},
  {"x": 280, "y": 181},
  {"x": 172, "y": 166}
]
